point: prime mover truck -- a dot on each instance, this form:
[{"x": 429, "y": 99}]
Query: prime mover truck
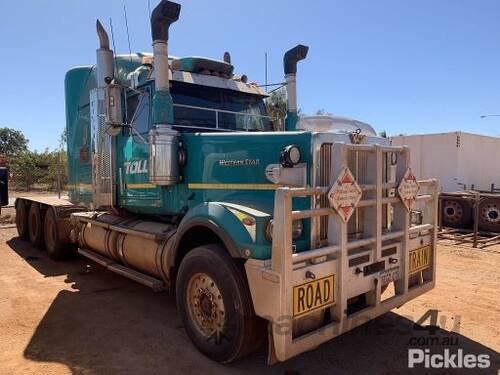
[{"x": 291, "y": 230}]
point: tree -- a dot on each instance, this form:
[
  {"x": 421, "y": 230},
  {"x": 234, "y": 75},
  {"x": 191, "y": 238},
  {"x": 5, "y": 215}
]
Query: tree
[
  {"x": 25, "y": 169},
  {"x": 12, "y": 142}
]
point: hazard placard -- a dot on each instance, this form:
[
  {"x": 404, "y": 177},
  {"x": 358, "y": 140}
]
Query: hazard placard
[
  {"x": 408, "y": 189},
  {"x": 345, "y": 194}
]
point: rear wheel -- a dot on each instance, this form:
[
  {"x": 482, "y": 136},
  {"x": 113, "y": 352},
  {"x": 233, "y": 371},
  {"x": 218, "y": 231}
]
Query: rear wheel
[
  {"x": 35, "y": 224},
  {"x": 57, "y": 247},
  {"x": 22, "y": 208},
  {"x": 215, "y": 305}
]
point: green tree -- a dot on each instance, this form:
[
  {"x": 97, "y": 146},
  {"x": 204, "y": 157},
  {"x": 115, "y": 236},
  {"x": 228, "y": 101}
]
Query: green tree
[
  {"x": 25, "y": 170},
  {"x": 12, "y": 142}
]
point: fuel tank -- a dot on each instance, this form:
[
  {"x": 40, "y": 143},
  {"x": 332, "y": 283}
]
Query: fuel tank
[{"x": 139, "y": 244}]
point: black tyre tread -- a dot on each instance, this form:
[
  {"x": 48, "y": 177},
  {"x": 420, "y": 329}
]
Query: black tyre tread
[
  {"x": 254, "y": 327},
  {"x": 22, "y": 228},
  {"x": 60, "y": 249},
  {"x": 36, "y": 238}
]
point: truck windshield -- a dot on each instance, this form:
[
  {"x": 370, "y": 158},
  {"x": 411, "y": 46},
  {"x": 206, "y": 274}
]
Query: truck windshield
[{"x": 205, "y": 107}]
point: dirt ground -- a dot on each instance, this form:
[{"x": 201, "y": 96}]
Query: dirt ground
[{"x": 75, "y": 317}]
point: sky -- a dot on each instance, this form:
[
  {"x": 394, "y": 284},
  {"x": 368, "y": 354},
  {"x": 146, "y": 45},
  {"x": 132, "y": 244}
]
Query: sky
[{"x": 404, "y": 66}]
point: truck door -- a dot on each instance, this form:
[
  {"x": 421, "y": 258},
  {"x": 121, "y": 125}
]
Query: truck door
[{"x": 133, "y": 153}]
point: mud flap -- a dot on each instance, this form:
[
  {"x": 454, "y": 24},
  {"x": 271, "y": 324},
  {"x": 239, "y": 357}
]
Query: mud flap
[{"x": 271, "y": 353}]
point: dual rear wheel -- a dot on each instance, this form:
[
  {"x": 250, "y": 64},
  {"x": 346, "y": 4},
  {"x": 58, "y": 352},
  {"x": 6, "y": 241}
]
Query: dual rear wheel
[{"x": 40, "y": 226}]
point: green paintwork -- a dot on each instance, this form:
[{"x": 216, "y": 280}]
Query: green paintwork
[
  {"x": 291, "y": 121},
  {"x": 163, "y": 110},
  {"x": 204, "y": 152}
]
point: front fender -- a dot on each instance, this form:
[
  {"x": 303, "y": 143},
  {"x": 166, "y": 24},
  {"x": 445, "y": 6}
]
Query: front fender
[{"x": 225, "y": 219}]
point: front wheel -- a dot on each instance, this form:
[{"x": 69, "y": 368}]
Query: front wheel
[{"x": 215, "y": 305}]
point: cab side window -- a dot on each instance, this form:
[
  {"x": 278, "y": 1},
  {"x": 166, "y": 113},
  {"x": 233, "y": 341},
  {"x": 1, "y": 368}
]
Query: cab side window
[{"x": 139, "y": 112}]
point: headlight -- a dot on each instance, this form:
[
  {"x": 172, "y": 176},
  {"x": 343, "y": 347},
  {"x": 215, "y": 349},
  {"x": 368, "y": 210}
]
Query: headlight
[
  {"x": 297, "y": 228},
  {"x": 290, "y": 156}
]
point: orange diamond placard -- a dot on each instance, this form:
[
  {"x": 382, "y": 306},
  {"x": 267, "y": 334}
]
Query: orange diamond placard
[
  {"x": 408, "y": 189},
  {"x": 345, "y": 194}
]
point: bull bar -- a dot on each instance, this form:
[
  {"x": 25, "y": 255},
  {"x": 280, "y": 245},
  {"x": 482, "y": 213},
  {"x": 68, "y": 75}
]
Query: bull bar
[{"x": 271, "y": 281}]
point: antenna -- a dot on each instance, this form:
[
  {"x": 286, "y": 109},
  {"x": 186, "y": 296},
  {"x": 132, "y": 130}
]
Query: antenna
[
  {"x": 113, "y": 40},
  {"x": 149, "y": 8},
  {"x": 128, "y": 35}
]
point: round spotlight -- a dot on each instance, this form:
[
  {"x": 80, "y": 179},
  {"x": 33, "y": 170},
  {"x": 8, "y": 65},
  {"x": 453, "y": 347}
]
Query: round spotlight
[{"x": 290, "y": 156}]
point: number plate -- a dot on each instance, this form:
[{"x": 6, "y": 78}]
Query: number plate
[
  {"x": 389, "y": 275},
  {"x": 313, "y": 295},
  {"x": 420, "y": 259}
]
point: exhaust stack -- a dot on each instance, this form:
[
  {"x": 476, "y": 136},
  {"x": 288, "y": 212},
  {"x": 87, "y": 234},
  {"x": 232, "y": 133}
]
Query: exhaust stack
[
  {"x": 105, "y": 66},
  {"x": 164, "y": 15},
  {"x": 290, "y": 60},
  {"x": 163, "y": 140}
]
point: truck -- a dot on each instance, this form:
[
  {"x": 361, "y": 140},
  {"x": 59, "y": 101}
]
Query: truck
[{"x": 291, "y": 230}]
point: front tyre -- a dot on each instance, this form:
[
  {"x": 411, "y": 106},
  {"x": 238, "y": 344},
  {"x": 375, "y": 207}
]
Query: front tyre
[{"x": 215, "y": 305}]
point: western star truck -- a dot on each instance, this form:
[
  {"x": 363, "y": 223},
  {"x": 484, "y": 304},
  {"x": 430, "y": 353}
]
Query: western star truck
[{"x": 293, "y": 230}]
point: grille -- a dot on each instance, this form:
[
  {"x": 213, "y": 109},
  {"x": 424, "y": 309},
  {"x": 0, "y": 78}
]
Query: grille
[
  {"x": 325, "y": 166},
  {"x": 357, "y": 162}
]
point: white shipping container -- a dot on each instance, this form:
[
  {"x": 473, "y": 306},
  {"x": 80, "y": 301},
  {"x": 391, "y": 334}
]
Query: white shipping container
[{"x": 455, "y": 159}]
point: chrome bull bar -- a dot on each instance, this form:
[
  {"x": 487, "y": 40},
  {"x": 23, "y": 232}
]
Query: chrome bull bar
[{"x": 272, "y": 282}]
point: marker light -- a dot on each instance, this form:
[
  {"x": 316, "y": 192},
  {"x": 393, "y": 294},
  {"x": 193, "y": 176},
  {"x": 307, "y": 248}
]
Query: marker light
[{"x": 290, "y": 156}]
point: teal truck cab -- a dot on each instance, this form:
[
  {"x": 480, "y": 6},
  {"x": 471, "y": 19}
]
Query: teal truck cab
[{"x": 294, "y": 229}]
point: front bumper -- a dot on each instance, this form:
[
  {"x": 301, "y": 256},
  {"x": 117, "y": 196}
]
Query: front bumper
[{"x": 272, "y": 282}]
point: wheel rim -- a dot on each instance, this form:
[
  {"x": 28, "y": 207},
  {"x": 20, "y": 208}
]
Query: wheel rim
[
  {"x": 50, "y": 233},
  {"x": 205, "y": 305},
  {"x": 453, "y": 211},
  {"x": 491, "y": 214}
]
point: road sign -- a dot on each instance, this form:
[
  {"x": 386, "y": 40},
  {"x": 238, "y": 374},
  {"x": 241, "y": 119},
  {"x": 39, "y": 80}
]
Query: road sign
[
  {"x": 345, "y": 194},
  {"x": 408, "y": 189}
]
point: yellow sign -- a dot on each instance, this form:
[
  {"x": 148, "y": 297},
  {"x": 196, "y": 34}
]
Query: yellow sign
[
  {"x": 420, "y": 259},
  {"x": 313, "y": 295}
]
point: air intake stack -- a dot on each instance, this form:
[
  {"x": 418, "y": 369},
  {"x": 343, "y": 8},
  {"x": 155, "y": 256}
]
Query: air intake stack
[
  {"x": 290, "y": 60},
  {"x": 164, "y": 142}
]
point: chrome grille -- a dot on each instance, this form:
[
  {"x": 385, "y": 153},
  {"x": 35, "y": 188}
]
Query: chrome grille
[
  {"x": 325, "y": 166},
  {"x": 357, "y": 162}
]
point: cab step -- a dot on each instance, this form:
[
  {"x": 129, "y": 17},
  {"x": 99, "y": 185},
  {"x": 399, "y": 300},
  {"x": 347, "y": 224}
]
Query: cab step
[{"x": 151, "y": 282}]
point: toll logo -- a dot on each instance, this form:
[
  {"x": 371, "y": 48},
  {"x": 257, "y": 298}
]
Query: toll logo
[{"x": 136, "y": 167}]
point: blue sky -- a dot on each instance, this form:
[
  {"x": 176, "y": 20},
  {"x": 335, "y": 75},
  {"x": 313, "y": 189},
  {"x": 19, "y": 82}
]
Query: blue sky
[{"x": 404, "y": 66}]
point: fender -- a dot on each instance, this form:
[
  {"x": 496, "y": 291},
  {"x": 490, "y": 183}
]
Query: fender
[{"x": 219, "y": 219}]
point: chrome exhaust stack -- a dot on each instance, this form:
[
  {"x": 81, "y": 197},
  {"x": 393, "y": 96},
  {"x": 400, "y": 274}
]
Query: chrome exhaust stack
[
  {"x": 106, "y": 122},
  {"x": 105, "y": 66},
  {"x": 290, "y": 60},
  {"x": 163, "y": 140}
]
